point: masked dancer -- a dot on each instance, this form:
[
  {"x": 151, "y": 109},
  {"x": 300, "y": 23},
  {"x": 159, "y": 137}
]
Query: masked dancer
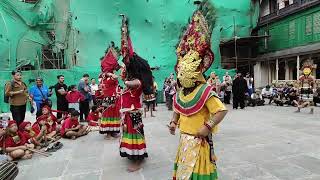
[
  {"x": 307, "y": 86},
  {"x": 197, "y": 109},
  {"x": 137, "y": 78},
  {"x": 110, "y": 120}
]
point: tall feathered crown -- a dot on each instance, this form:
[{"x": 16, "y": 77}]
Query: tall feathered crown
[
  {"x": 126, "y": 44},
  {"x": 194, "y": 49},
  {"x": 197, "y": 36},
  {"x": 308, "y": 64}
]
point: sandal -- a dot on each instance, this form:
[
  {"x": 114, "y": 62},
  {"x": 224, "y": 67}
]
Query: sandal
[
  {"x": 46, "y": 144},
  {"x": 49, "y": 149},
  {"x": 57, "y": 146}
]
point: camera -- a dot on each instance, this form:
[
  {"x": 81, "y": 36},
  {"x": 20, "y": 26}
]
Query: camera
[{"x": 4, "y": 121}]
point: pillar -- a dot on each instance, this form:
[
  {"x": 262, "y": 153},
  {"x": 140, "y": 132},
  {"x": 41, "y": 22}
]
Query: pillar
[
  {"x": 257, "y": 74},
  {"x": 269, "y": 74},
  {"x": 277, "y": 70},
  {"x": 298, "y": 67},
  {"x": 287, "y": 77}
]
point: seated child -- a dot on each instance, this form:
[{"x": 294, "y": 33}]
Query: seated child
[
  {"x": 31, "y": 137},
  {"x": 93, "y": 117},
  {"x": 256, "y": 99},
  {"x": 3, "y": 156},
  {"x": 51, "y": 123},
  {"x": 40, "y": 128},
  {"x": 280, "y": 99},
  {"x": 74, "y": 97},
  {"x": 71, "y": 128},
  {"x": 15, "y": 143}
]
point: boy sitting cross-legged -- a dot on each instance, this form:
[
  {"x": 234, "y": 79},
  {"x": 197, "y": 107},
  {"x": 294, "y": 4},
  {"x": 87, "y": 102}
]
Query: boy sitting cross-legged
[
  {"x": 71, "y": 128},
  {"x": 15, "y": 143},
  {"x": 31, "y": 136}
]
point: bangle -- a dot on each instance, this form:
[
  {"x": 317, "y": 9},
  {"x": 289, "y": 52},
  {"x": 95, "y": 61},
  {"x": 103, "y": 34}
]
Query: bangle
[
  {"x": 175, "y": 123},
  {"x": 209, "y": 127}
]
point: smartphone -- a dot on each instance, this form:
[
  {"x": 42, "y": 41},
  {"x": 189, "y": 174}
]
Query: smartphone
[{"x": 4, "y": 120}]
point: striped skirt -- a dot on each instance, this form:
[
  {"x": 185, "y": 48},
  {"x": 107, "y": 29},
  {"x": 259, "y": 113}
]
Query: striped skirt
[
  {"x": 193, "y": 160},
  {"x": 110, "y": 120},
  {"x": 132, "y": 143}
]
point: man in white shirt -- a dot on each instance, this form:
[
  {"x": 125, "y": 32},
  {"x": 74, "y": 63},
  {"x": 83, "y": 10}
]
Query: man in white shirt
[
  {"x": 94, "y": 87},
  {"x": 249, "y": 80},
  {"x": 267, "y": 93}
]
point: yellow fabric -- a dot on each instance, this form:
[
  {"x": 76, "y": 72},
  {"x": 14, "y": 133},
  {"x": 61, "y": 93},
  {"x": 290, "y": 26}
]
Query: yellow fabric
[
  {"x": 132, "y": 141},
  {"x": 191, "y": 124},
  {"x": 188, "y": 153},
  {"x": 110, "y": 122},
  {"x": 203, "y": 165},
  {"x": 200, "y": 164}
]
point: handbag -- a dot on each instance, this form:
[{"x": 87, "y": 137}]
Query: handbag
[{"x": 45, "y": 101}]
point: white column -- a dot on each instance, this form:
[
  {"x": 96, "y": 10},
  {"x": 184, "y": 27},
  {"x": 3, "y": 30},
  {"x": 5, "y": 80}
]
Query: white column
[
  {"x": 298, "y": 67},
  {"x": 257, "y": 74},
  {"x": 269, "y": 74},
  {"x": 277, "y": 70},
  {"x": 287, "y": 77}
]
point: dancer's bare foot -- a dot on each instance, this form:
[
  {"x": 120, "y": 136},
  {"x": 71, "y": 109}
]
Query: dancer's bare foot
[
  {"x": 108, "y": 136},
  {"x": 311, "y": 111},
  {"x": 297, "y": 111},
  {"x": 134, "y": 167},
  {"x": 27, "y": 156},
  {"x": 10, "y": 158},
  {"x": 115, "y": 136}
]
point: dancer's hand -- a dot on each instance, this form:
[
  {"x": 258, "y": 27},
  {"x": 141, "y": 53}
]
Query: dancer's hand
[
  {"x": 114, "y": 76},
  {"x": 203, "y": 132},
  {"x": 172, "y": 128}
]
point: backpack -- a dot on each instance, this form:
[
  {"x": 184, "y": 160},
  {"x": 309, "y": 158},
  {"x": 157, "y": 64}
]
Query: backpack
[{"x": 5, "y": 97}]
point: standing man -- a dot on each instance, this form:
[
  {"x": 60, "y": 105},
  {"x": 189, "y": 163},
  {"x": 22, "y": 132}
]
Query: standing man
[
  {"x": 227, "y": 81},
  {"x": 85, "y": 90},
  {"x": 61, "y": 90},
  {"x": 94, "y": 87},
  {"x": 239, "y": 89},
  {"x": 17, "y": 92},
  {"x": 40, "y": 94},
  {"x": 249, "y": 80}
]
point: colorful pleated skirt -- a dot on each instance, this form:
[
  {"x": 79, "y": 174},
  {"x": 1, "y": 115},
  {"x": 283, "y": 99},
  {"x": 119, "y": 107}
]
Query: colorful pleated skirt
[
  {"x": 132, "y": 143},
  {"x": 193, "y": 160},
  {"x": 110, "y": 120}
]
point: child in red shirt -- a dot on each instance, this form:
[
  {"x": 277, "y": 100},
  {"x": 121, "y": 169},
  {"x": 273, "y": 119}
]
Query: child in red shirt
[
  {"x": 40, "y": 128},
  {"x": 15, "y": 143},
  {"x": 93, "y": 117},
  {"x": 31, "y": 137},
  {"x": 51, "y": 123},
  {"x": 71, "y": 128},
  {"x": 74, "y": 97}
]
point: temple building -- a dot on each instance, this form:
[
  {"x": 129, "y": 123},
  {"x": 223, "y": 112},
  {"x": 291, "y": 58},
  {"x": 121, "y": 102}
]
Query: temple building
[{"x": 291, "y": 30}]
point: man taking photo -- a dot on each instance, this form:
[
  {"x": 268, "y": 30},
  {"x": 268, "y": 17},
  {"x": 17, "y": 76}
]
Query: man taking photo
[{"x": 16, "y": 94}]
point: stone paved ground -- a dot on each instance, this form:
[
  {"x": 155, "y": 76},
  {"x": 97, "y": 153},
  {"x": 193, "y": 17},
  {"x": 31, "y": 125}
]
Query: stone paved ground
[{"x": 265, "y": 143}]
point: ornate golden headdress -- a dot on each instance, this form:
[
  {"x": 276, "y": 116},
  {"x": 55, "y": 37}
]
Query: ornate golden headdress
[
  {"x": 308, "y": 67},
  {"x": 194, "y": 50}
]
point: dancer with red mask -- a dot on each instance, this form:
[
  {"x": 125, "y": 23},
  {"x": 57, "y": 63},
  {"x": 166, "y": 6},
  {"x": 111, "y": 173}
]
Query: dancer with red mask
[{"x": 110, "y": 120}]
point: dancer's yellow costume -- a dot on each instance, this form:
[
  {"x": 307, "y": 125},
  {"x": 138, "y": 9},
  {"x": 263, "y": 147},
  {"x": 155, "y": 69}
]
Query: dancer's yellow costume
[{"x": 195, "y": 158}]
